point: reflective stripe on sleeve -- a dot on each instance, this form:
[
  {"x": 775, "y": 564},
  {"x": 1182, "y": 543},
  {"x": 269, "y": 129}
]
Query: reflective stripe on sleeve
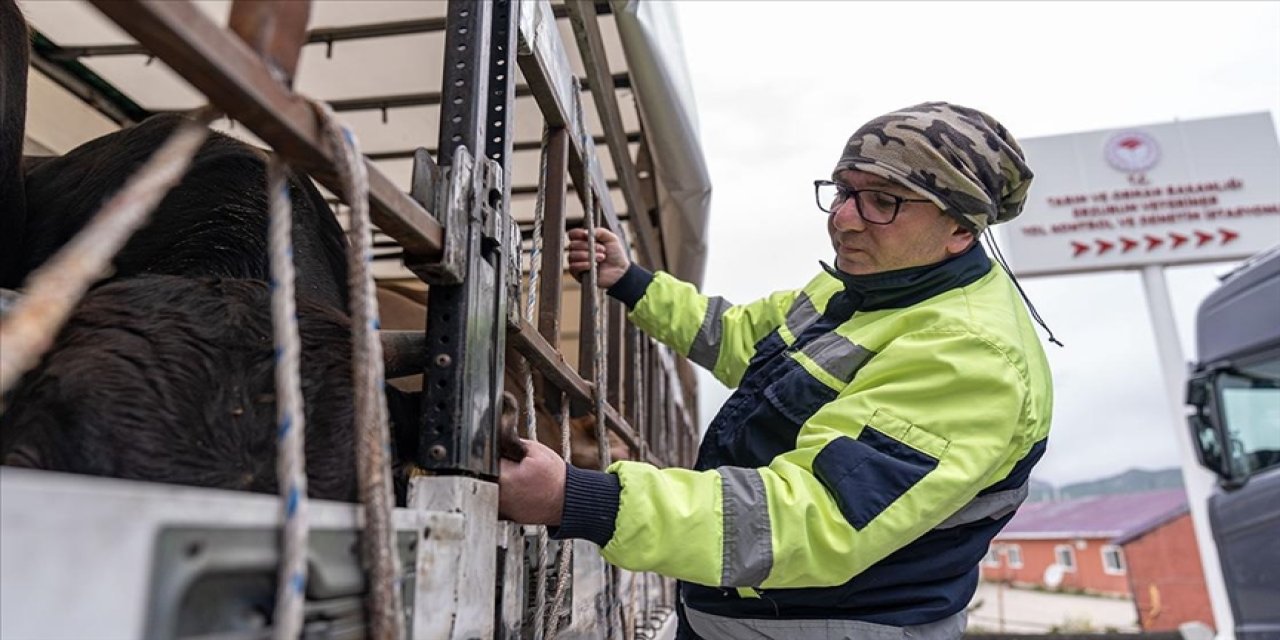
[
  {"x": 705, "y": 349},
  {"x": 748, "y": 536}
]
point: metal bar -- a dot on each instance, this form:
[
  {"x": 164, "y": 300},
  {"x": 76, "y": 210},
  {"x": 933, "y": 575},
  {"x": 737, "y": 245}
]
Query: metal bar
[
  {"x": 430, "y": 98},
  {"x": 222, "y": 67},
  {"x": 647, "y": 214},
  {"x": 319, "y": 35},
  {"x": 614, "y": 323},
  {"x": 582, "y": 15},
  {"x": 276, "y": 31},
  {"x": 520, "y": 145},
  {"x": 458, "y": 420},
  {"x": 82, "y": 82},
  {"x": 532, "y": 189},
  {"x": 635, "y": 387},
  {"x": 552, "y": 276}
]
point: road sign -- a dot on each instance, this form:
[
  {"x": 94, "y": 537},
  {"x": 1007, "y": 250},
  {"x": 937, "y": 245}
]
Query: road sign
[{"x": 1162, "y": 194}]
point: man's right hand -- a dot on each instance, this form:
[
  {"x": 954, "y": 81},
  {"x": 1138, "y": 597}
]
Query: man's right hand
[{"x": 611, "y": 259}]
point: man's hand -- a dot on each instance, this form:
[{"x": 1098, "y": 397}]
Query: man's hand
[
  {"x": 610, "y": 256},
  {"x": 532, "y": 491}
]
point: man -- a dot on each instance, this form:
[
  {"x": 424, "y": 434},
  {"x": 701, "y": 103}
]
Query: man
[{"x": 885, "y": 419}]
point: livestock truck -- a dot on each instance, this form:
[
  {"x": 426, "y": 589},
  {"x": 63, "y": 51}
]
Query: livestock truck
[
  {"x": 1234, "y": 396},
  {"x": 487, "y": 127}
]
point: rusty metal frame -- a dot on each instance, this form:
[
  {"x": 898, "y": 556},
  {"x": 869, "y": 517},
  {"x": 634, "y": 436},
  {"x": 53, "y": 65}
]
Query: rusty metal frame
[
  {"x": 582, "y": 16},
  {"x": 236, "y": 80},
  {"x": 643, "y": 402}
]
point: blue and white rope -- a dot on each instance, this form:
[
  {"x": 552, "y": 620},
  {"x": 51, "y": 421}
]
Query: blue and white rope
[
  {"x": 290, "y": 419},
  {"x": 373, "y": 434}
]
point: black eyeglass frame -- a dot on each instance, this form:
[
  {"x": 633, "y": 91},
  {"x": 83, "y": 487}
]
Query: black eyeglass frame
[{"x": 898, "y": 200}]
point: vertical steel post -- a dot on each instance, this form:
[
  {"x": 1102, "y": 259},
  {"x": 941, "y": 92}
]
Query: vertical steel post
[{"x": 466, "y": 322}]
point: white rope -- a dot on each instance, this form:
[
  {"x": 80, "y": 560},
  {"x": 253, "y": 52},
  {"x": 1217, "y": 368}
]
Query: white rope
[
  {"x": 564, "y": 570},
  {"x": 373, "y": 442},
  {"x": 54, "y": 289},
  {"x": 291, "y": 420},
  {"x": 531, "y": 422}
]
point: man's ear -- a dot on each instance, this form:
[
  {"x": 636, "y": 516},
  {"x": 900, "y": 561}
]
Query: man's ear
[{"x": 960, "y": 240}]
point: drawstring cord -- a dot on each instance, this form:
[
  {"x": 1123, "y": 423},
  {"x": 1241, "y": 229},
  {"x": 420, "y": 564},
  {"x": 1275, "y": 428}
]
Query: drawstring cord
[{"x": 1035, "y": 315}]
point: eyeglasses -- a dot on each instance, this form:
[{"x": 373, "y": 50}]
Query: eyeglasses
[{"x": 875, "y": 207}]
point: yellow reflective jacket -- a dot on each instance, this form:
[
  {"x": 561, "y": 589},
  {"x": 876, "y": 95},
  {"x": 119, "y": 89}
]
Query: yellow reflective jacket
[{"x": 882, "y": 431}]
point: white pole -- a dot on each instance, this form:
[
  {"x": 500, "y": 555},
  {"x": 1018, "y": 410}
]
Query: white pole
[{"x": 1199, "y": 481}]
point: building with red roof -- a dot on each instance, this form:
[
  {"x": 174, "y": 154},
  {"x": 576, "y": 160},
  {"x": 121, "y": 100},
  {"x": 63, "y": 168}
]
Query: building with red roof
[{"x": 1136, "y": 545}]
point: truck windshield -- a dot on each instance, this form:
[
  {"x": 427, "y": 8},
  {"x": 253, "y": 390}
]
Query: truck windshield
[{"x": 1250, "y": 397}]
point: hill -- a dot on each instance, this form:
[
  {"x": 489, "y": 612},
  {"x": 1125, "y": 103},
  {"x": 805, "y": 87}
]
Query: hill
[{"x": 1131, "y": 481}]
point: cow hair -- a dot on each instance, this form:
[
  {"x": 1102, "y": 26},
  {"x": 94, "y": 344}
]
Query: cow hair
[{"x": 170, "y": 379}]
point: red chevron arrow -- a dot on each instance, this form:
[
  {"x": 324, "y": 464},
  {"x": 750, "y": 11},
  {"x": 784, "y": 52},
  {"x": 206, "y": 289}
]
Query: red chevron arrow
[
  {"x": 1202, "y": 238},
  {"x": 1128, "y": 244},
  {"x": 1153, "y": 242},
  {"x": 1104, "y": 246},
  {"x": 1080, "y": 248},
  {"x": 1228, "y": 235},
  {"x": 1178, "y": 239}
]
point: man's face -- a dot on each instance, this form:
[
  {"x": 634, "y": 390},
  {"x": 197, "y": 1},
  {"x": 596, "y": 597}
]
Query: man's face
[{"x": 920, "y": 235}]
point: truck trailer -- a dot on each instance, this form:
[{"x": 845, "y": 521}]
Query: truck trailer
[{"x": 487, "y": 128}]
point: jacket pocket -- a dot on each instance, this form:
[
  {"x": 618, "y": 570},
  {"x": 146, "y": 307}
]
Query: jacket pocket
[{"x": 867, "y": 474}]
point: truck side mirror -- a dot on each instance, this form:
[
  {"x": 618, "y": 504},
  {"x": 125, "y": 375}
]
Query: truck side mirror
[{"x": 1205, "y": 437}]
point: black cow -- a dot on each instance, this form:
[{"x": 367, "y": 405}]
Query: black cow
[
  {"x": 213, "y": 223},
  {"x": 164, "y": 370},
  {"x": 171, "y": 379}
]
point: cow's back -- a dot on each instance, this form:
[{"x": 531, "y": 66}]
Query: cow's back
[{"x": 213, "y": 223}]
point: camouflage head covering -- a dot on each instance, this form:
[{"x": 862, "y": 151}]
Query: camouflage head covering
[{"x": 959, "y": 158}]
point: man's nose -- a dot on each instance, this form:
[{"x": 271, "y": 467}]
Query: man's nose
[{"x": 846, "y": 217}]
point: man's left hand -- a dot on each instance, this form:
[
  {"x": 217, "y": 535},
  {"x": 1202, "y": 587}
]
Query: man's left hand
[{"x": 532, "y": 491}]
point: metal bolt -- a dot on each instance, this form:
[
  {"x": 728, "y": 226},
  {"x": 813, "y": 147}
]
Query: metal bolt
[
  {"x": 443, "y": 360},
  {"x": 438, "y": 452}
]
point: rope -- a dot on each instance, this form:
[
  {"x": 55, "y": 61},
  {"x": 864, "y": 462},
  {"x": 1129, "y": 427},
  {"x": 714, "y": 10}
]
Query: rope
[
  {"x": 291, "y": 421},
  {"x": 373, "y": 436},
  {"x": 531, "y": 423},
  {"x": 54, "y": 289},
  {"x": 565, "y": 566}
]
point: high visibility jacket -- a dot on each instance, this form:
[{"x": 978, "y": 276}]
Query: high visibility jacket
[{"x": 882, "y": 430}]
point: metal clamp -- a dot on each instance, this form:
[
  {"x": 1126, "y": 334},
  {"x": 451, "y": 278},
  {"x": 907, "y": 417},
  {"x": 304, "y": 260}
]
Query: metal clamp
[{"x": 452, "y": 205}]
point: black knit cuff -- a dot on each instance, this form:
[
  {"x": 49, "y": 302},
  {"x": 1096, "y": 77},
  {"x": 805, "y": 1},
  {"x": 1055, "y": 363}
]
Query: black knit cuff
[
  {"x": 632, "y": 285},
  {"x": 590, "y": 506}
]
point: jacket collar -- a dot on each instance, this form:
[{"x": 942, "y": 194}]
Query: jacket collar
[{"x": 905, "y": 287}]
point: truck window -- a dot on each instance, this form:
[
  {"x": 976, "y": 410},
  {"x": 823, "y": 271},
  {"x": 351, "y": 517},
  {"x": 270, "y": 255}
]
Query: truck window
[{"x": 1250, "y": 397}]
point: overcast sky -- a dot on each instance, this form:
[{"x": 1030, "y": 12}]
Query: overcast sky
[{"x": 780, "y": 86}]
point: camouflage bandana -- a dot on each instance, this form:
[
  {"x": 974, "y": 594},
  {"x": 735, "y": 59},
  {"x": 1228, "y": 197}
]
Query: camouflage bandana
[{"x": 959, "y": 158}]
